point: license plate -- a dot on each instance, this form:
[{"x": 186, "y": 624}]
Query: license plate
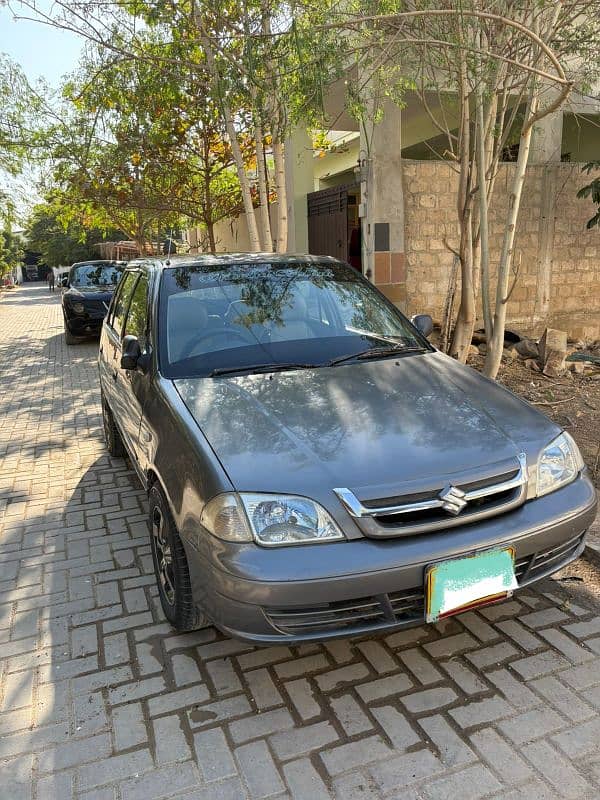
[{"x": 464, "y": 583}]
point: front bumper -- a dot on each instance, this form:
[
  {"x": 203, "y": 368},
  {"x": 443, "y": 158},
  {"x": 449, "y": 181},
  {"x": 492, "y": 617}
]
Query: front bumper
[
  {"x": 309, "y": 592},
  {"x": 84, "y": 324}
]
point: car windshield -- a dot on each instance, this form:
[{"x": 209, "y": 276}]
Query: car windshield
[
  {"x": 96, "y": 275},
  {"x": 215, "y": 319}
]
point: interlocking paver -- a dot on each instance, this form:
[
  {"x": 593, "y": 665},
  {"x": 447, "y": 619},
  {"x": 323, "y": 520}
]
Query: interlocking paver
[
  {"x": 100, "y": 699},
  {"x": 264, "y": 692},
  {"x": 259, "y": 769},
  {"x": 214, "y": 755},
  {"x": 501, "y": 756}
]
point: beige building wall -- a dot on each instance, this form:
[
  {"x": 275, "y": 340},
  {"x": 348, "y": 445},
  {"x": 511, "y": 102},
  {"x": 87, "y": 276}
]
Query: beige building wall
[
  {"x": 558, "y": 277},
  {"x": 231, "y": 235}
]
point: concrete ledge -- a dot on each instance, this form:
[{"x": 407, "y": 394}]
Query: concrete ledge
[
  {"x": 592, "y": 545},
  {"x": 592, "y": 553}
]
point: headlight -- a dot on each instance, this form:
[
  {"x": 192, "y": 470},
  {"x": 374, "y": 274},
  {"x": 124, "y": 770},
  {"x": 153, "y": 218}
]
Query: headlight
[
  {"x": 78, "y": 308},
  {"x": 269, "y": 519},
  {"x": 286, "y": 519},
  {"x": 559, "y": 464}
]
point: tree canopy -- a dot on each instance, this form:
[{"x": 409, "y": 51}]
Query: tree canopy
[
  {"x": 60, "y": 237},
  {"x": 592, "y": 190}
]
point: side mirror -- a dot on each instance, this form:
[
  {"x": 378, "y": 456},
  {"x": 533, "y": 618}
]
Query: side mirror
[
  {"x": 65, "y": 282},
  {"x": 130, "y": 352},
  {"x": 423, "y": 323}
]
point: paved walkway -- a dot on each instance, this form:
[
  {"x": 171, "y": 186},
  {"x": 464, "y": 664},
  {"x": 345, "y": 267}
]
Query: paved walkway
[{"x": 100, "y": 699}]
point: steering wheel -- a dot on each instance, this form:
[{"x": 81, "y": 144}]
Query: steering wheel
[{"x": 227, "y": 332}]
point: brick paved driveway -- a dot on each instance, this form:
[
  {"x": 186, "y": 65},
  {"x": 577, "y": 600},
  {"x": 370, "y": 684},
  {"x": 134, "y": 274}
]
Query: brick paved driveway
[{"x": 99, "y": 699}]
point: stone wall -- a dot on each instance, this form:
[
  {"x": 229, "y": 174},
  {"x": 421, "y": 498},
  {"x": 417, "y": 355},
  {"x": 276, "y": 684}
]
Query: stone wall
[{"x": 558, "y": 260}]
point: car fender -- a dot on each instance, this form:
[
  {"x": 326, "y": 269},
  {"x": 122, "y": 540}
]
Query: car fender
[{"x": 175, "y": 452}]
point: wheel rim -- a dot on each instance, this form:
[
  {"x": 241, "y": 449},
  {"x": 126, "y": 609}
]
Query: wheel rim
[{"x": 164, "y": 556}]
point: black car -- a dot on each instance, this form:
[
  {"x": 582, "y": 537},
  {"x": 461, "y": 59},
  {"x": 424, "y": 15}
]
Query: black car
[{"x": 90, "y": 287}]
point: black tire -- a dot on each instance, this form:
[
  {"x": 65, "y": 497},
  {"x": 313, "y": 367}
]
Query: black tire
[
  {"x": 112, "y": 437},
  {"x": 69, "y": 338},
  {"x": 171, "y": 567}
]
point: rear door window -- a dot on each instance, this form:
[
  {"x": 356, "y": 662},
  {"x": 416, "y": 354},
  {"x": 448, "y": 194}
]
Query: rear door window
[
  {"x": 122, "y": 301},
  {"x": 137, "y": 316}
]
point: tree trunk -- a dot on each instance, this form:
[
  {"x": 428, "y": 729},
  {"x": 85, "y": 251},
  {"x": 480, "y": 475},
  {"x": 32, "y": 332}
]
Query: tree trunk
[
  {"x": 244, "y": 182},
  {"x": 210, "y": 232},
  {"x": 231, "y": 132},
  {"x": 465, "y": 319},
  {"x": 496, "y": 344},
  {"x": 484, "y": 242},
  {"x": 261, "y": 172},
  {"x": 282, "y": 219},
  {"x": 208, "y": 209}
]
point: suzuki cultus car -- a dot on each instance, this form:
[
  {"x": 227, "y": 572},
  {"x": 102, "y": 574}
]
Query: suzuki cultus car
[{"x": 314, "y": 467}]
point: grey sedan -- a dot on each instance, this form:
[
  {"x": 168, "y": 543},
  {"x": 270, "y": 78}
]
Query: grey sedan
[{"x": 314, "y": 467}]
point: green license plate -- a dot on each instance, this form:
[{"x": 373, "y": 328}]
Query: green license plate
[{"x": 464, "y": 583}]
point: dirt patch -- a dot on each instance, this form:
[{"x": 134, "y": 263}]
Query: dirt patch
[{"x": 572, "y": 401}]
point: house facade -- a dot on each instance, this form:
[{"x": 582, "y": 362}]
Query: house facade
[{"x": 386, "y": 204}]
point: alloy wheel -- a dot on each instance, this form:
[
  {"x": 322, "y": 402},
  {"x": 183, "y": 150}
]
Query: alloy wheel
[{"x": 164, "y": 556}]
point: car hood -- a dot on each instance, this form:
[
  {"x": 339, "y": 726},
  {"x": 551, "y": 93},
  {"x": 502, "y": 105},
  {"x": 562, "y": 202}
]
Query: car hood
[
  {"x": 95, "y": 292},
  {"x": 365, "y": 425}
]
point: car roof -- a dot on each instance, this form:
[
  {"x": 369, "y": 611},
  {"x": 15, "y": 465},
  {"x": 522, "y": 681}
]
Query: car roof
[
  {"x": 97, "y": 261},
  {"x": 214, "y": 259}
]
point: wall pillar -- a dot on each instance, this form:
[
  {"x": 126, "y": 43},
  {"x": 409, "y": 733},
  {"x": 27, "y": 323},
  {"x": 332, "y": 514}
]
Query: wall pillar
[
  {"x": 546, "y": 148},
  {"x": 382, "y": 205},
  {"x": 299, "y": 182},
  {"x": 546, "y": 139}
]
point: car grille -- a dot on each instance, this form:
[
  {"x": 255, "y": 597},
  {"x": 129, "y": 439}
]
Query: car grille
[
  {"x": 533, "y": 566},
  {"x": 345, "y": 615},
  {"x": 396, "y": 608},
  {"x": 442, "y": 507}
]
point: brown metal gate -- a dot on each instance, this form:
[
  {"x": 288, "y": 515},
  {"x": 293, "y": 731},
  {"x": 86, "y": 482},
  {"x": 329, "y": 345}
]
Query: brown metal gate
[{"x": 328, "y": 222}]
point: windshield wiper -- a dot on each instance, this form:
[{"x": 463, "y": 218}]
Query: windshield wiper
[
  {"x": 258, "y": 368},
  {"x": 377, "y": 352}
]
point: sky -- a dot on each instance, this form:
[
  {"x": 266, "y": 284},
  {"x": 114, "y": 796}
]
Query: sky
[{"x": 42, "y": 51}]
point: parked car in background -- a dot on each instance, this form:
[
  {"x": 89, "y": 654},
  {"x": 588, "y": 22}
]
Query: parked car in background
[
  {"x": 61, "y": 276},
  {"x": 89, "y": 290},
  {"x": 315, "y": 468}
]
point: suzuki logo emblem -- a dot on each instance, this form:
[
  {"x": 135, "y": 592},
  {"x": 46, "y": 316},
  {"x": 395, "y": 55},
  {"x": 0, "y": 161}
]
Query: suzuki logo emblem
[{"x": 453, "y": 500}]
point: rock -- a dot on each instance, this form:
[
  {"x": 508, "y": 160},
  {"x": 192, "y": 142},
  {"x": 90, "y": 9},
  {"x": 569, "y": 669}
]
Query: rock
[
  {"x": 527, "y": 348},
  {"x": 473, "y": 351},
  {"x": 553, "y": 352},
  {"x": 512, "y": 337},
  {"x": 577, "y": 366},
  {"x": 479, "y": 337},
  {"x": 509, "y": 353},
  {"x": 532, "y": 364},
  {"x": 590, "y": 358},
  {"x": 482, "y": 349}
]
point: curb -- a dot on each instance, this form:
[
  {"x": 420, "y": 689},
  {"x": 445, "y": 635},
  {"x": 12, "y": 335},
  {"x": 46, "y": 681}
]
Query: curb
[{"x": 592, "y": 553}]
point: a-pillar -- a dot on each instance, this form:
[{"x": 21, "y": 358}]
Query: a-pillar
[{"x": 382, "y": 205}]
